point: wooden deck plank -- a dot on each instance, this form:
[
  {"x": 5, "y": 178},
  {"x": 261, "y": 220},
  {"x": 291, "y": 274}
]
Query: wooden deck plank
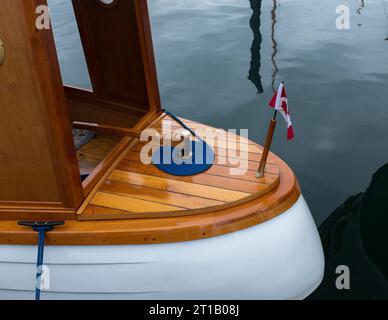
[
  {"x": 271, "y": 168},
  {"x": 215, "y": 170},
  {"x": 91, "y": 154},
  {"x": 130, "y": 204},
  {"x": 166, "y": 229},
  {"x": 217, "y": 134},
  {"x": 229, "y": 153},
  {"x": 171, "y": 124},
  {"x": 157, "y": 195},
  {"x": 147, "y": 186},
  {"x": 221, "y": 182},
  {"x": 168, "y": 125},
  {"x": 222, "y": 143},
  {"x": 177, "y": 186}
]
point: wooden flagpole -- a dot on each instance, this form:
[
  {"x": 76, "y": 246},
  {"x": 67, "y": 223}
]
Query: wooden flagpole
[{"x": 267, "y": 146}]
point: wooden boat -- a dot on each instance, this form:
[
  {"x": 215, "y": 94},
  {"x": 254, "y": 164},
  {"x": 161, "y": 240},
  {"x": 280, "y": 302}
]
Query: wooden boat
[{"x": 131, "y": 231}]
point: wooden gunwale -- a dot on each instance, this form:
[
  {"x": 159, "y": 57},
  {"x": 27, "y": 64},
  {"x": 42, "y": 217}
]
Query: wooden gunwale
[{"x": 165, "y": 230}]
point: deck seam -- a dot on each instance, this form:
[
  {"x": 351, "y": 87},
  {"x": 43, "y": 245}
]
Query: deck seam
[
  {"x": 132, "y": 197},
  {"x": 175, "y": 192}
]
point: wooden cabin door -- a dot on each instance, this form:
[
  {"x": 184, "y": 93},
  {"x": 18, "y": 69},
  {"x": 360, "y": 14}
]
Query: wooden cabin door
[
  {"x": 39, "y": 175},
  {"x": 118, "y": 48}
]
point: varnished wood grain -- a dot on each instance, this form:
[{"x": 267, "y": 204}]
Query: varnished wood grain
[
  {"x": 221, "y": 182},
  {"x": 162, "y": 230},
  {"x": 131, "y": 204},
  {"x": 216, "y": 184},
  {"x": 177, "y": 186},
  {"x": 119, "y": 52},
  {"x": 271, "y": 168},
  {"x": 37, "y": 156},
  {"x": 107, "y": 129},
  {"x": 152, "y": 206},
  {"x": 233, "y": 152},
  {"x": 88, "y": 106},
  {"x": 105, "y": 168},
  {"x": 158, "y": 195},
  {"x": 90, "y": 155},
  {"x": 217, "y": 173}
]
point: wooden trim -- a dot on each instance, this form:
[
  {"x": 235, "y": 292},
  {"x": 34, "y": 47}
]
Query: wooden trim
[
  {"x": 160, "y": 228},
  {"x": 165, "y": 230},
  {"x": 88, "y": 46},
  {"x": 62, "y": 137},
  {"x": 135, "y": 38},
  {"x": 24, "y": 210},
  {"x": 146, "y": 44},
  {"x": 150, "y": 119},
  {"x": 92, "y": 181},
  {"x": 107, "y": 129},
  {"x": 90, "y": 97},
  {"x": 103, "y": 175},
  {"x": 102, "y": 167},
  {"x": 214, "y": 184},
  {"x": 42, "y": 158},
  {"x": 37, "y": 214},
  {"x": 106, "y": 213}
]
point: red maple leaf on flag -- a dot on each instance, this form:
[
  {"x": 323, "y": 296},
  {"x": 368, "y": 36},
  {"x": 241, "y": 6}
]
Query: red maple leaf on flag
[{"x": 279, "y": 102}]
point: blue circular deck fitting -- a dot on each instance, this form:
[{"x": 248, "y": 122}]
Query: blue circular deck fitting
[{"x": 166, "y": 159}]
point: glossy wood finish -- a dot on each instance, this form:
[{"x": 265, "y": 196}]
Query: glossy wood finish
[
  {"x": 38, "y": 165},
  {"x": 163, "y": 230},
  {"x": 40, "y": 177},
  {"x": 2, "y": 52},
  {"x": 104, "y": 166},
  {"x": 131, "y": 189},
  {"x": 107, "y": 129},
  {"x": 86, "y": 106},
  {"x": 175, "y": 228},
  {"x": 94, "y": 152},
  {"x": 39, "y": 170},
  {"x": 267, "y": 146},
  {"x": 118, "y": 48}
]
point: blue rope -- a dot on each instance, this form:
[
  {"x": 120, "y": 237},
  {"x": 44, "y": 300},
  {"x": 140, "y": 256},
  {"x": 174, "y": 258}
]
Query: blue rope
[
  {"x": 182, "y": 124},
  {"x": 41, "y": 227},
  {"x": 39, "y": 263}
]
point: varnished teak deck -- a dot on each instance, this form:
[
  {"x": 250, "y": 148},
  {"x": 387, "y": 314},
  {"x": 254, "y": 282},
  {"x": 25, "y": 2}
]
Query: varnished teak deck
[{"x": 137, "y": 190}]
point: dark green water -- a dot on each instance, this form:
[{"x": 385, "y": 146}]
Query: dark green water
[{"x": 218, "y": 61}]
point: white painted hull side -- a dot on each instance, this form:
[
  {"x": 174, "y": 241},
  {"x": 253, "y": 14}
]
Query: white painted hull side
[{"x": 279, "y": 259}]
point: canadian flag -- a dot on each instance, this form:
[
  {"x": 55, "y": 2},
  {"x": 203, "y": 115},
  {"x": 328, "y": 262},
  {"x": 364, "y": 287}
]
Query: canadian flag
[{"x": 279, "y": 102}]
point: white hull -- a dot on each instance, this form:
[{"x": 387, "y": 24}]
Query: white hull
[{"x": 279, "y": 259}]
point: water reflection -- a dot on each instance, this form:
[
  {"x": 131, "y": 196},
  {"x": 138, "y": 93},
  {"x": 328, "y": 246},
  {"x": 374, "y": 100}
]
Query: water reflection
[
  {"x": 356, "y": 235},
  {"x": 254, "y": 22},
  {"x": 362, "y": 5},
  {"x": 385, "y": 5},
  {"x": 275, "y": 69}
]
